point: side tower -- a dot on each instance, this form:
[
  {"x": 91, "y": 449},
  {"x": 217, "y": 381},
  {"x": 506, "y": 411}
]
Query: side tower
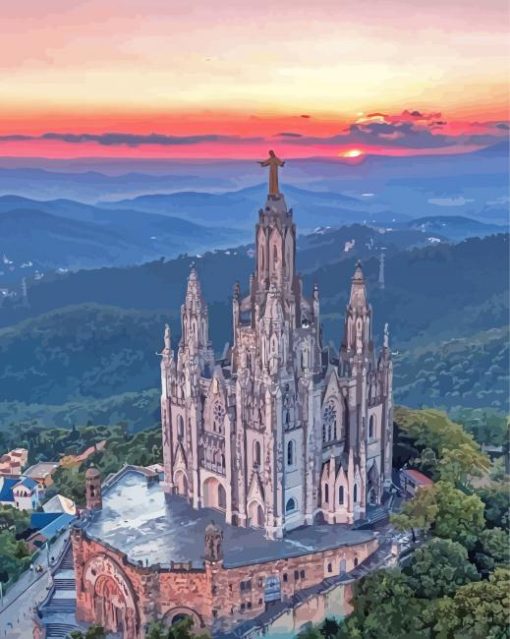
[{"x": 181, "y": 402}]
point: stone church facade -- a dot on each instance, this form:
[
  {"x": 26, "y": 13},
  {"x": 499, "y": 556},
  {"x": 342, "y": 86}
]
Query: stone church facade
[{"x": 279, "y": 433}]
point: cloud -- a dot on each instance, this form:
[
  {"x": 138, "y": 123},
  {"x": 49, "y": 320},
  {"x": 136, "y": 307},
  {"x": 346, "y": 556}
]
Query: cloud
[
  {"x": 131, "y": 139},
  {"x": 410, "y": 129},
  {"x": 288, "y": 134},
  {"x": 459, "y": 200}
]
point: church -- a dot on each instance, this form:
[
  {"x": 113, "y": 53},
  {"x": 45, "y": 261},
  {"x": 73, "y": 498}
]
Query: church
[
  {"x": 274, "y": 456},
  {"x": 279, "y": 433}
]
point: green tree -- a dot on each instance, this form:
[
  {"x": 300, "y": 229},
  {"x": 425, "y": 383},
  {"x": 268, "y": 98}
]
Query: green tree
[
  {"x": 496, "y": 500},
  {"x": 312, "y": 632},
  {"x": 492, "y": 549},
  {"x": 418, "y": 513},
  {"x": 477, "y": 610},
  {"x": 13, "y": 519},
  {"x": 94, "y": 632},
  {"x": 183, "y": 629},
  {"x": 329, "y": 628},
  {"x": 459, "y": 464},
  {"x": 14, "y": 556},
  {"x": 446, "y": 512},
  {"x": 384, "y": 608},
  {"x": 438, "y": 568}
]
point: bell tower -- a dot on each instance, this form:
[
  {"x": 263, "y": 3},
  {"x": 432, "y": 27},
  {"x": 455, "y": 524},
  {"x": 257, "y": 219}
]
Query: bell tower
[{"x": 93, "y": 496}]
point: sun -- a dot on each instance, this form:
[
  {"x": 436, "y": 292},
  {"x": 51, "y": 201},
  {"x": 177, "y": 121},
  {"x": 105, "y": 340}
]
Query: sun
[{"x": 351, "y": 153}]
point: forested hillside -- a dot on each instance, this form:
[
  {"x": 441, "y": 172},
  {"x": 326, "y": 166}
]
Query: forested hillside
[{"x": 88, "y": 350}]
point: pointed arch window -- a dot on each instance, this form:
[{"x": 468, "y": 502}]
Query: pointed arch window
[
  {"x": 180, "y": 427},
  {"x": 218, "y": 417},
  {"x": 329, "y": 421},
  {"x": 290, "y": 453},
  {"x": 341, "y": 495},
  {"x": 257, "y": 454},
  {"x": 371, "y": 427},
  {"x": 355, "y": 493},
  {"x": 326, "y": 494}
]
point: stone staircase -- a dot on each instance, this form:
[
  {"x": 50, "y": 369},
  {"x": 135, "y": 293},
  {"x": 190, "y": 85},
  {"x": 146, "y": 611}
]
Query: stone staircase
[
  {"x": 64, "y": 583},
  {"x": 59, "y": 630},
  {"x": 58, "y": 611},
  {"x": 61, "y": 605},
  {"x": 67, "y": 561}
]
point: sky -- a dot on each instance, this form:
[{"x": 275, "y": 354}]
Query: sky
[{"x": 333, "y": 78}]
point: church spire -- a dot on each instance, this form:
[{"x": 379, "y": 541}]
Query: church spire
[
  {"x": 194, "y": 315},
  {"x": 358, "y": 298}
]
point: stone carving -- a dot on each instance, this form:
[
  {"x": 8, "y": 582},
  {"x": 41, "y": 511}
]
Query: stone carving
[
  {"x": 213, "y": 543},
  {"x": 273, "y": 163}
]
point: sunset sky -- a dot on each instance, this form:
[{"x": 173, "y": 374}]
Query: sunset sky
[{"x": 161, "y": 78}]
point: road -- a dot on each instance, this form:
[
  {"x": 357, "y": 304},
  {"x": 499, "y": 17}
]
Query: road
[{"x": 16, "y": 614}]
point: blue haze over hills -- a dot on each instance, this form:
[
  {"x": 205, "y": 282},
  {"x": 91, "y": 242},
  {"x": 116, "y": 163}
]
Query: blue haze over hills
[{"x": 101, "y": 247}]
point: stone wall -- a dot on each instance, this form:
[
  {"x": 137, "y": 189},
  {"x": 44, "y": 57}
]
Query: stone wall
[{"x": 125, "y": 597}]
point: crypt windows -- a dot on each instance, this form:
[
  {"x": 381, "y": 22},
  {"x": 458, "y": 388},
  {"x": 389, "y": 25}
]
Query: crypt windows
[{"x": 291, "y": 506}]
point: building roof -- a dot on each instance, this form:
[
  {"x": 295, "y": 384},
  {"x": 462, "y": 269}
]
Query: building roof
[
  {"x": 139, "y": 520},
  {"x": 57, "y": 525},
  {"x": 41, "y": 470},
  {"x": 40, "y": 520},
  {"x": 419, "y": 478},
  {"x": 27, "y": 482},
  {"x": 60, "y": 504},
  {"x": 6, "y": 486}
]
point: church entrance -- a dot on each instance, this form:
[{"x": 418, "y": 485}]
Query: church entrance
[
  {"x": 214, "y": 494},
  {"x": 110, "y": 607},
  {"x": 181, "y": 483},
  {"x": 372, "y": 486},
  {"x": 256, "y": 517}
]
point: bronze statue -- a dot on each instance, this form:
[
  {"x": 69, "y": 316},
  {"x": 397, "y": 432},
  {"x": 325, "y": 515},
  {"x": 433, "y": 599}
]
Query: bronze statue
[{"x": 273, "y": 162}]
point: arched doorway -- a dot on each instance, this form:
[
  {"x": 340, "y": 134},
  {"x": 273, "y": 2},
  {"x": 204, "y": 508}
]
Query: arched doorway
[
  {"x": 181, "y": 483},
  {"x": 180, "y": 614},
  {"x": 372, "y": 486},
  {"x": 256, "y": 515},
  {"x": 111, "y": 596},
  {"x": 214, "y": 494},
  {"x": 110, "y": 605}
]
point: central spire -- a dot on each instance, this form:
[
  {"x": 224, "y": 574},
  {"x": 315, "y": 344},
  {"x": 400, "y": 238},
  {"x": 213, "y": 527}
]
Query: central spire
[{"x": 273, "y": 162}]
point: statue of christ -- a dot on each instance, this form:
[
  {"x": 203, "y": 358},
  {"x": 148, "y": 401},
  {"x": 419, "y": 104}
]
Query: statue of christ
[{"x": 273, "y": 163}]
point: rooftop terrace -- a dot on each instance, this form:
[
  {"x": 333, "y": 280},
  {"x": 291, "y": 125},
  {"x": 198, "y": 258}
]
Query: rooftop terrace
[{"x": 139, "y": 520}]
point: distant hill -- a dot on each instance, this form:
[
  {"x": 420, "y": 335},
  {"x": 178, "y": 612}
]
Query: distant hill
[
  {"x": 455, "y": 227},
  {"x": 69, "y": 234},
  {"x": 239, "y": 208},
  {"x": 466, "y": 372},
  {"x": 91, "y": 352},
  {"x": 79, "y": 352}
]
